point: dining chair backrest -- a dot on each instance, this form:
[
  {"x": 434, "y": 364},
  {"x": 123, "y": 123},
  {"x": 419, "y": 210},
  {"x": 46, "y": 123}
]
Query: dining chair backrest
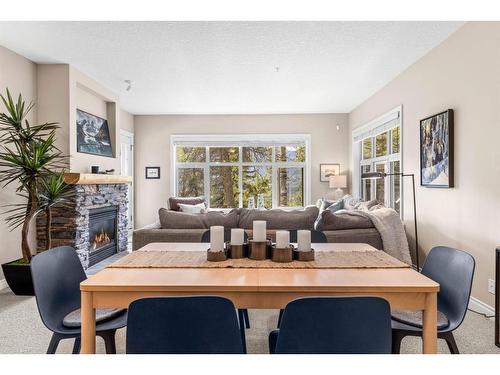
[
  {"x": 335, "y": 325},
  {"x": 316, "y": 236},
  {"x": 183, "y": 325},
  {"x": 205, "y": 237},
  {"x": 57, "y": 274},
  {"x": 453, "y": 269}
]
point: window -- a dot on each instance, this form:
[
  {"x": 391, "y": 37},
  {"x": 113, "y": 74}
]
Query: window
[
  {"x": 230, "y": 170},
  {"x": 377, "y": 148}
]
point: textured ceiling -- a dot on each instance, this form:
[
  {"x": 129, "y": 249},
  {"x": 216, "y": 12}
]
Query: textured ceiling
[{"x": 232, "y": 67}]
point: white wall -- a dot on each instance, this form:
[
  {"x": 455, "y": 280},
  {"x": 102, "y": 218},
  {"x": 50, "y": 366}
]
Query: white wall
[
  {"x": 152, "y": 147},
  {"x": 463, "y": 73}
]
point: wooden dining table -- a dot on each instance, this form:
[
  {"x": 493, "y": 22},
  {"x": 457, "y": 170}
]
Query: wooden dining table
[{"x": 259, "y": 288}]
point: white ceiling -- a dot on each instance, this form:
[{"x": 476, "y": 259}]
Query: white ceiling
[{"x": 230, "y": 67}]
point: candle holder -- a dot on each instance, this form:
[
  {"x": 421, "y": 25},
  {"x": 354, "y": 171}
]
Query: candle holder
[
  {"x": 237, "y": 251},
  {"x": 216, "y": 256},
  {"x": 282, "y": 255},
  {"x": 303, "y": 256},
  {"x": 259, "y": 250}
]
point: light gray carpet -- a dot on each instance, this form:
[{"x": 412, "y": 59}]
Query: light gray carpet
[{"x": 22, "y": 331}]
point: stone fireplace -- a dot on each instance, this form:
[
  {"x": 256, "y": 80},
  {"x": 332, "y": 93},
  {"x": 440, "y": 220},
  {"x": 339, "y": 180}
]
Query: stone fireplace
[{"x": 96, "y": 224}]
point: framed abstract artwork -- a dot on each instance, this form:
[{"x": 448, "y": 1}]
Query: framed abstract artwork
[
  {"x": 92, "y": 134},
  {"x": 436, "y": 150},
  {"x": 327, "y": 170}
]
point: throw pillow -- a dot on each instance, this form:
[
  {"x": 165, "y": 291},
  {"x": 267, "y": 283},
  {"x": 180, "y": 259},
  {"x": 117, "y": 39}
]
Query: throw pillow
[
  {"x": 333, "y": 206},
  {"x": 173, "y": 202},
  {"x": 192, "y": 208},
  {"x": 350, "y": 202}
]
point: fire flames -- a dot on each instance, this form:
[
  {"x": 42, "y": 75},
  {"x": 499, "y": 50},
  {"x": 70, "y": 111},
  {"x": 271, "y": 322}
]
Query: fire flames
[{"x": 100, "y": 239}]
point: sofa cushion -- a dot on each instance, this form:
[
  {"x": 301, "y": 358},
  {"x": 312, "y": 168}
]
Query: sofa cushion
[
  {"x": 180, "y": 220},
  {"x": 339, "y": 221},
  {"x": 173, "y": 202},
  {"x": 280, "y": 219}
]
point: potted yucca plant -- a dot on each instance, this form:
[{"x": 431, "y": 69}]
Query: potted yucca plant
[{"x": 28, "y": 157}]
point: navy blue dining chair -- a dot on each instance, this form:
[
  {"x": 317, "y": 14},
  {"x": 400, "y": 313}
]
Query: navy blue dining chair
[
  {"x": 242, "y": 313},
  {"x": 57, "y": 274},
  {"x": 183, "y": 325},
  {"x": 334, "y": 325},
  {"x": 453, "y": 270}
]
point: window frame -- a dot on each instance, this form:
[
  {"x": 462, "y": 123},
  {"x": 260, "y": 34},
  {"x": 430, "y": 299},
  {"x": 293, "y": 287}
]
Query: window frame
[
  {"x": 394, "y": 116},
  {"x": 240, "y": 141}
]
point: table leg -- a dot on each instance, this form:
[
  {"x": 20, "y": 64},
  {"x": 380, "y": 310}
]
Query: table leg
[
  {"x": 88, "y": 324},
  {"x": 430, "y": 324}
]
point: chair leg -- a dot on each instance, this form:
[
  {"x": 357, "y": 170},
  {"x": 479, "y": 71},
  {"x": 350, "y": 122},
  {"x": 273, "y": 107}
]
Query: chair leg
[
  {"x": 54, "y": 342},
  {"x": 241, "y": 320},
  {"x": 247, "y": 319},
  {"x": 109, "y": 341},
  {"x": 450, "y": 340},
  {"x": 280, "y": 317},
  {"x": 397, "y": 337},
  {"x": 76, "y": 346}
]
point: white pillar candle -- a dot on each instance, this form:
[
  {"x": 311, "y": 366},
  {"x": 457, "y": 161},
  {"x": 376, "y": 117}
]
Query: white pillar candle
[
  {"x": 282, "y": 239},
  {"x": 304, "y": 240},
  {"x": 237, "y": 236},
  {"x": 216, "y": 238},
  {"x": 259, "y": 230}
]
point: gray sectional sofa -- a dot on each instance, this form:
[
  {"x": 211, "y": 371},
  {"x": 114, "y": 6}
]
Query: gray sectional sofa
[{"x": 175, "y": 226}]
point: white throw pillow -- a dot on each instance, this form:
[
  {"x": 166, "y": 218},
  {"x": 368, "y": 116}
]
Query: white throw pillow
[{"x": 192, "y": 208}]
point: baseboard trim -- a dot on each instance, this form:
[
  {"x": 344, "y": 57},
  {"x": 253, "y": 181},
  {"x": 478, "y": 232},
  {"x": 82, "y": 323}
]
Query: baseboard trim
[
  {"x": 481, "y": 307},
  {"x": 3, "y": 284}
]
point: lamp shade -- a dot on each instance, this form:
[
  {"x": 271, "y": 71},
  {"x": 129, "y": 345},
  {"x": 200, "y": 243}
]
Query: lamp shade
[{"x": 338, "y": 182}]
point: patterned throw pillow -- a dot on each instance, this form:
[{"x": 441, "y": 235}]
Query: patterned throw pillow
[{"x": 350, "y": 202}]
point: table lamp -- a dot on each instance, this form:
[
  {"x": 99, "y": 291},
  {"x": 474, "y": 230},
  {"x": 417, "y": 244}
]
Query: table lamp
[{"x": 338, "y": 182}]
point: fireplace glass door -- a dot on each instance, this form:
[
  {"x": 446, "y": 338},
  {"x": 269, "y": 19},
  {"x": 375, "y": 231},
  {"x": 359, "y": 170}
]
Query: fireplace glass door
[{"x": 102, "y": 233}]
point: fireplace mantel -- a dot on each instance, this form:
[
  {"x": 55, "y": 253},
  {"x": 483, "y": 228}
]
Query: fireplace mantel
[{"x": 95, "y": 179}]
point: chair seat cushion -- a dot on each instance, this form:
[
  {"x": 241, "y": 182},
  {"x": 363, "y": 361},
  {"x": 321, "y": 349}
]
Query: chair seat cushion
[
  {"x": 414, "y": 318},
  {"x": 74, "y": 318}
]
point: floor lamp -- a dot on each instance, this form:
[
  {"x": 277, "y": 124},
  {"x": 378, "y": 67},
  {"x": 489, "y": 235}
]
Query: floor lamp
[{"x": 377, "y": 175}]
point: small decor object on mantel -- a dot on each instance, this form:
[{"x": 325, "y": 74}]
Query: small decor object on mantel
[
  {"x": 327, "y": 170},
  {"x": 153, "y": 173},
  {"x": 92, "y": 134},
  {"x": 436, "y": 150}
]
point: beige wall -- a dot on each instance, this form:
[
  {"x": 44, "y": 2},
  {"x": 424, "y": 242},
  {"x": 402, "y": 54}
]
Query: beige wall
[
  {"x": 19, "y": 75},
  {"x": 152, "y": 148},
  {"x": 126, "y": 121},
  {"x": 463, "y": 73},
  {"x": 61, "y": 90}
]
